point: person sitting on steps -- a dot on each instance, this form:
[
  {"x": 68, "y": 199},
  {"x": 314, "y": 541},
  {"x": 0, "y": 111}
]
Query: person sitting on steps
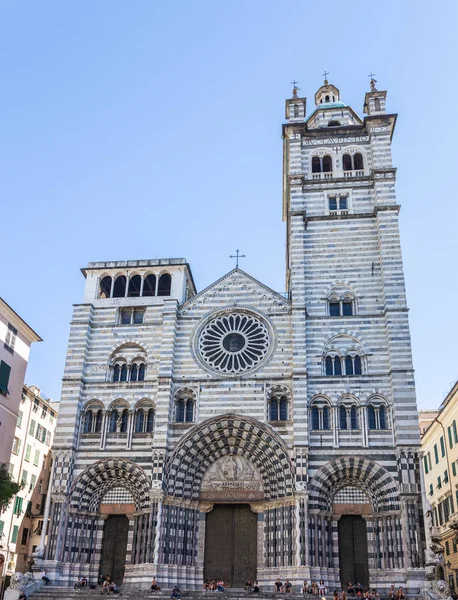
[
  {"x": 220, "y": 585},
  {"x": 288, "y": 587},
  {"x": 176, "y": 593},
  {"x": 44, "y": 577},
  {"x": 154, "y": 586},
  {"x": 278, "y": 586},
  {"x": 248, "y": 586},
  {"x": 256, "y": 587},
  {"x": 78, "y": 584}
]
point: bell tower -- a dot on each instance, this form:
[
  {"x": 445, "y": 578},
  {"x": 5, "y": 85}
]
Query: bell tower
[{"x": 344, "y": 272}]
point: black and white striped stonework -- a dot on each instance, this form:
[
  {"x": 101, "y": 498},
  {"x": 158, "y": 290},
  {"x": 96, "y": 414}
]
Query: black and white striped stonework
[{"x": 347, "y": 441}]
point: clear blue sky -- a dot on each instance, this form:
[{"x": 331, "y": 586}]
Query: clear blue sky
[{"x": 152, "y": 129}]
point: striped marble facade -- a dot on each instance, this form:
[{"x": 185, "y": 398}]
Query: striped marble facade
[{"x": 312, "y": 467}]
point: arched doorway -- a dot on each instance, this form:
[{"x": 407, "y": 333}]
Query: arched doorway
[
  {"x": 238, "y": 474},
  {"x": 356, "y": 501}
]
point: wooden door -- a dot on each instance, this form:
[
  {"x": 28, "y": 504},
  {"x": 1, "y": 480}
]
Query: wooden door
[
  {"x": 353, "y": 556},
  {"x": 231, "y": 544},
  {"x": 114, "y": 547}
]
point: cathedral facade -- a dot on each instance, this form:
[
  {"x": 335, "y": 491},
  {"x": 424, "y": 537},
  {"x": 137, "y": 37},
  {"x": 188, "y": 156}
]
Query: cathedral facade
[{"x": 240, "y": 434}]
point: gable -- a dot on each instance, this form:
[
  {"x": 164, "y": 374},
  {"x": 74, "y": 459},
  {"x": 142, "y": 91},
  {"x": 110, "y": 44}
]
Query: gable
[{"x": 237, "y": 288}]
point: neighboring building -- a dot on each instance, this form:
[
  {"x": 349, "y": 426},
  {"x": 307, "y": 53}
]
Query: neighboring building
[
  {"x": 425, "y": 418},
  {"x": 16, "y": 337},
  {"x": 30, "y": 464},
  {"x": 439, "y": 445},
  {"x": 239, "y": 433}
]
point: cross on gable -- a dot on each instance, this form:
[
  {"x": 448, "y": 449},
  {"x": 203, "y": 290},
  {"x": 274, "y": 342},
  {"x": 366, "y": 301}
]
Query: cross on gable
[{"x": 237, "y": 255}]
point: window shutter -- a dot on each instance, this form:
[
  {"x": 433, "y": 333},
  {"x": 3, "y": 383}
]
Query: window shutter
[{"x": 4, "y": 377}]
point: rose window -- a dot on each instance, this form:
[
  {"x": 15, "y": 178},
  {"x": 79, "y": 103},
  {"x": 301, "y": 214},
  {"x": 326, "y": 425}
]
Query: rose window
[{"x": 234, "y": 343}]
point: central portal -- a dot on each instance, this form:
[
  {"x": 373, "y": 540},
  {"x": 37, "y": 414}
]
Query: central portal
[{"x": 231, "y": 544}]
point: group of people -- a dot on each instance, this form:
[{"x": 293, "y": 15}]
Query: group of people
[
  {"x": 108, "y": 585},
  {"x": 396, "y": 594},
  {"x": 285, "y": 588},
  {"x": 252, "y": 587},
  {"x": 214, "y": 585},
  {"x": 80, "y": 583},
  {"x": 314, "y": 587}
]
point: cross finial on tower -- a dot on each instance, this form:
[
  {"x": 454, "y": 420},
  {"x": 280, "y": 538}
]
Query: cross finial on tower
[
  {"x": 325, "y": 75},
  {"x": 237, "y": 255},
  {"x": 373, "y": 81},
  {"x": 295, "y": 88}
]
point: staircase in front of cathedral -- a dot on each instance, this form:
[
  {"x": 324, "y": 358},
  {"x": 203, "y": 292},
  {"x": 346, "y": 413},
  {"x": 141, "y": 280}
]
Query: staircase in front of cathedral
[{"x": 65, "y": 593}]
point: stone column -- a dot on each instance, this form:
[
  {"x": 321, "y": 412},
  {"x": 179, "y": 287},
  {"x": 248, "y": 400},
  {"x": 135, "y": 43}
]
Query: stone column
[{"x": 261, "y": 555}]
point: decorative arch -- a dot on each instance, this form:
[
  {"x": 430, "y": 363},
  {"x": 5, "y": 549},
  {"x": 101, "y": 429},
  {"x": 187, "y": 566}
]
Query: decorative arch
[
  {"x": 97, "y": 479},
  {"x": 221, "y": 436},
  {"x": 355, "y": 471}
]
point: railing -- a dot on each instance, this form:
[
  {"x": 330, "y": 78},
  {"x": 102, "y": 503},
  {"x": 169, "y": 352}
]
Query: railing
[
  {"x": 354, "y": 173},
  {"x": 327, "y": 175}
]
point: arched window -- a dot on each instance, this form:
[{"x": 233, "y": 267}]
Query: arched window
[
  {"x": 329, "y": 369},
  {"x": 316, "y": 164},
  {"x": 134, "y": 372},
  {"x": 327, "y": 164},
  {"x": 113, "y": 420},
  {"x": 382, "y": 416},
  {"x": 337, "y": 365},
  {"x": 357, "y": 363},
  {"x": 274, "y": 409},
  {"x": 149, "y": 286},
  {"x": 150, "y": 421},
  {"x": 139, "y": 421},
  {"x": 334, "y": 124},
  {"x": 180, "y": 408},
  {"x": 124, "y": 420},
  {"x": 343, "y": 417},
  {"x": 141, "y": 372},
  {"x": 278, "y": 408},
  {"x": 189, "y": 410},
  {"x": 346, "y": 162},
  {"x": 98, "y": 421},
  {"x": 320, "y": 417},
  {"x": 371, "y": 416},
  {"x": 377, "y": 104},
  {"x": 349, "y": 365},
  {"x": 116, "y": 372},
  {"x": 326, "y": 99},
  {"x": 134, "y": 286},
  {"x": 123, "y": 375},
  {"x": 358, "y": 162},
  {"x": 165, "y": 285},
  {"x": 119, "y": 289},
  {"x": 87, "y": 425},
  {"x": 105, "y": 287},
  {"x": 354, "y": 417}
]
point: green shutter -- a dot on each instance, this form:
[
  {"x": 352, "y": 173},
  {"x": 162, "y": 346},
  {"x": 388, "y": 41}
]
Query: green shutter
[
  {"x": 32, "y": 427},
  {"x": 450, "y": 441},
  {"x": 2, "y": 525},
  {"x": 425, "y": 461},
  {"x": 14, "y": 534},
  {"x": 4, "y": 377}
]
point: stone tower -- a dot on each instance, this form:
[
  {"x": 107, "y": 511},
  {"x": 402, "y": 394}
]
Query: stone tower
[{"x": 349, "y": 311}]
